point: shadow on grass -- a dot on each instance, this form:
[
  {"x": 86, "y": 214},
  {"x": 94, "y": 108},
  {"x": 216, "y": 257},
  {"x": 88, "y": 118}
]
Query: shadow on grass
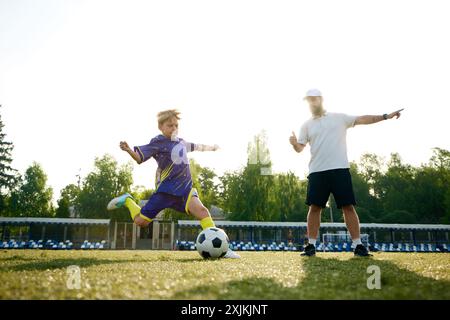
[
  {"x": 40, "y": 265},
  {"x": 329, "y": 278},
  {"x": 17, "y": 258}
]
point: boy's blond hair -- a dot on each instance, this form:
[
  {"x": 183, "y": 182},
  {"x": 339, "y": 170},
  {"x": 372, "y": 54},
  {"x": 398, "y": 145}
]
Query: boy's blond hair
[{"x": 165, "y": 115}]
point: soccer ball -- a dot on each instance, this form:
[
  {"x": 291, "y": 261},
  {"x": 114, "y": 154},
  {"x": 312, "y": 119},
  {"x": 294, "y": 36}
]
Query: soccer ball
[{"x": 212, "y": 243}]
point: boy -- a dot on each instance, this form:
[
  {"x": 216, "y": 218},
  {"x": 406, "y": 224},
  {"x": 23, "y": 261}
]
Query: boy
[{"x": 174, "y": 182}]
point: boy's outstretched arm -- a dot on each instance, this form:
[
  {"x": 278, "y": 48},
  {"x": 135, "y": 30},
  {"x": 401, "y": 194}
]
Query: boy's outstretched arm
[
  {"x": 204, "y": 147},
  {"x": 125, "y": 147}
]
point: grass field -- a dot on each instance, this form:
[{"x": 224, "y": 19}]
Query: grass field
[{"x": 32, "y": 274}]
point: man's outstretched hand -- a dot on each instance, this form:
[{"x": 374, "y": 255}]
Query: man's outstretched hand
[{"x": 395, "y": 114}]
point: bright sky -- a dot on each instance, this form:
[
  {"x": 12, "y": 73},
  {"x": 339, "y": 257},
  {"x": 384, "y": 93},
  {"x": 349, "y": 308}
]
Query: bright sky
[{"x": 76, "y": 77}]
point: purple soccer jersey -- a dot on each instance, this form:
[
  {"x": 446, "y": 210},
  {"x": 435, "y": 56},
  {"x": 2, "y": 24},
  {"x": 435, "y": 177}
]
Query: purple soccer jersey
[{"x": 173, "y": 164}]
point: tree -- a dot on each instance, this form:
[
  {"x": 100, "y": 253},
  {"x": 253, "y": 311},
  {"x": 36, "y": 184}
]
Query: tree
[
  {"x": 141, "y": 193},
  {"x": 370, "y": 167},
  {"x": 209, "y": 187},
  {"x": 106, "y": 181},
  {"x": 441, "y": 161},
  {"x": 431, "y": 192},
  {"x": 8, "y": 175},
  {"x": 368, "y": 205},
  {"x": 33, "y": 198},
  {"x": 288, "y": 197},
  {"x": 67, "y": 200},
  {"x": 403, "y": 193},
  {"x": 196, "y": 171},
  {"x": 396, "y": 185},
  {"x": 246, "y": 194}
]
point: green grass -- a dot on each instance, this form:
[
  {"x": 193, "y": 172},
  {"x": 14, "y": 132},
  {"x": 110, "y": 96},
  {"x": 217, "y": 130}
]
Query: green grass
[{"x": 32, "y": 274}]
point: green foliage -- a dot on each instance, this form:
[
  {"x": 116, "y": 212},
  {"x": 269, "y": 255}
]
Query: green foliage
[
  {"x": 105, "y": 182},
  {"x": 255, "y": 194},
  {"x": 8, "y": 177},
  {"x": 208, "y": 183},
  {"x": 247, "y": 194},
  {"x": 141, "y": 193},
  {"x": 32, "y": 198},
  {"x": 288, "y": 198},
  {"x": 68, "y": 200},
  {"x": 403, "y": 193}
]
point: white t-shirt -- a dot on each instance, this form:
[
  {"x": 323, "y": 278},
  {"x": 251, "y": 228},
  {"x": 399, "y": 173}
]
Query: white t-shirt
[{"x": 327, "y": 139}]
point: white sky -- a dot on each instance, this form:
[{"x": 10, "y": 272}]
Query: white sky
[{"x": 76, "y": 77}]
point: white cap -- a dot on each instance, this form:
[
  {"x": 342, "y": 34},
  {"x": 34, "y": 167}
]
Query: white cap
[{"x": 313, "y": 93}]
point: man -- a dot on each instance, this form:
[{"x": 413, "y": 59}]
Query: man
[{"x": 329, "y": 167}]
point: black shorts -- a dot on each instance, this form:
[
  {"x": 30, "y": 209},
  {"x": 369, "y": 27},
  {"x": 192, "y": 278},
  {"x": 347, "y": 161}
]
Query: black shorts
[{"x": 336, "y": 181}]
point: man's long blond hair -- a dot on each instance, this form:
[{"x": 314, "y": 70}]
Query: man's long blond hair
[{"x": 165, "y": 115}]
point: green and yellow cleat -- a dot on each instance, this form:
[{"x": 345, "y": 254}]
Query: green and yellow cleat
[{"x": 118, "y": 202}]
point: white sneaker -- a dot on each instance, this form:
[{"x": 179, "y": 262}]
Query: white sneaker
[{"x": 231, "y": 255}]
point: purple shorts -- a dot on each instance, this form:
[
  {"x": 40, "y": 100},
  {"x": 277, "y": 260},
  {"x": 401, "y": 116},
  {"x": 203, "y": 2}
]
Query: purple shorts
[{"x": 161, "y": 200}]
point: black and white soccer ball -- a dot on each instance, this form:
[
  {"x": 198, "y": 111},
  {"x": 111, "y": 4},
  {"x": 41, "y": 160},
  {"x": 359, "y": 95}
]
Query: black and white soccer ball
[{"x": 212, "y": 243}]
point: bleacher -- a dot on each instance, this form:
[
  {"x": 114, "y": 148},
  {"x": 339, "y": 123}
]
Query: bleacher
[
  {"x": 328, "y": 247},
  {"x": 259, "y": 236},
  {"x": 52, "y": 245},
  {"x": 407, "y": 247}
]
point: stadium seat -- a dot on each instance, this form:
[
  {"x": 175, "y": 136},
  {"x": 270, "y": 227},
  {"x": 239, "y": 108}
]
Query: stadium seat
[
  {"x": 391, "y": 247},
  {"x": 348, "y": 247},
  {"x": 338, "y": 246}
]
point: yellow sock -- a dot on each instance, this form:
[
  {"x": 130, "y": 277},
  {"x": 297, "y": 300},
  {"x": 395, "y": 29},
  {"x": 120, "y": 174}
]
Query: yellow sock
[
  {"x": 207, "y": 223},
  {"x": 133, "y": 207}
]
